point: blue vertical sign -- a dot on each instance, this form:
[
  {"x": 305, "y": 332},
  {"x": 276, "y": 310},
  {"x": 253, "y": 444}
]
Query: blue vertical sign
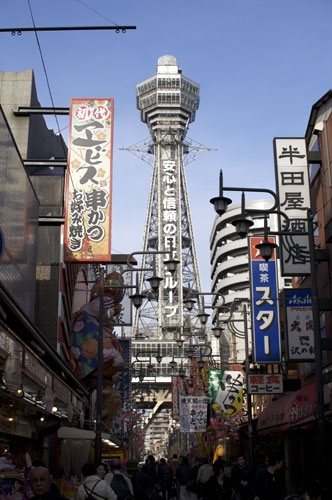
[{"x": 265, "y": 308}]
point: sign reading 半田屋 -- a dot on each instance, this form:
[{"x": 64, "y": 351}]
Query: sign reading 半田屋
[
  {"x": 292, "y": 180},
  {"x": 89, "y": 181}
]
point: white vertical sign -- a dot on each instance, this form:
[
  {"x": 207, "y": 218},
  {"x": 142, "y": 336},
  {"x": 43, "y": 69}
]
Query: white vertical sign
[
  {"x": 292, "y": 180},
  {"x": 170, "y": 216}
]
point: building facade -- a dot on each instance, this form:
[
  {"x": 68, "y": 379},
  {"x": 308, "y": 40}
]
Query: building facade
[{"x": 39, "y": 390}]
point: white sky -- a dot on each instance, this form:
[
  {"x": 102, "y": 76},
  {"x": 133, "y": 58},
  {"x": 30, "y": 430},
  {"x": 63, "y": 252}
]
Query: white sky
[{"x": 261, "y": 66}]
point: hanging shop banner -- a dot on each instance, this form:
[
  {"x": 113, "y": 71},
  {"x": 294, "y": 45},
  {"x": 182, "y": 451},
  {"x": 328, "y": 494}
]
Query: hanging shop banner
[
  {"x": 292, "y": 181},
  {"x": 265, "y": 384},
  {"x": 265, "y": 308},
  {"x": 225, "y": 389},
  {"x": 230, "y": 393},
  {"x": 175, "y": 397},
  {"x": 193, "y": 413},
  {"x": 300, "y": 325},
  {"x": 89, "y": 181},
  {"x": 123, "y": 383}
]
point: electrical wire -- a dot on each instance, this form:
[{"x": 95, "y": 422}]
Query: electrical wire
[
  {"x": 50, "y": 93},
  {"x": 96, "y": 12},
  {"x": 46, "y": 75}
]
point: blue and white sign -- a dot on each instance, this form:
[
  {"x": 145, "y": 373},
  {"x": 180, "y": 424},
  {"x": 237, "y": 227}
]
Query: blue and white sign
[
  {"x": 300, "y": 325},
  {"x": 265, "y": 308}
]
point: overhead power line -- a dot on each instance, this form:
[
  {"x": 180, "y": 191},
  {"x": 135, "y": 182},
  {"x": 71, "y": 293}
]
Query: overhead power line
[{"x": 19, "y": 31}]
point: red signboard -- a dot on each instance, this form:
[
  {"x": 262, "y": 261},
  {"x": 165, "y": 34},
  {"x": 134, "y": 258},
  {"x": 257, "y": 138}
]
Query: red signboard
[{"x": 89, "y": 181}]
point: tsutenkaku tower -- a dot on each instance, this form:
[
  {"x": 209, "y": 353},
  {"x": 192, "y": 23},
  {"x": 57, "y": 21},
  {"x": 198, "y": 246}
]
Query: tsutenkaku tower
[{"x": 168, "y": 102}]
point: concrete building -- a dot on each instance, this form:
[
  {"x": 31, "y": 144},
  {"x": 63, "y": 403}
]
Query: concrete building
[
  {"x": 35, "y": 287},
  {"x": 230, "y": 276}
]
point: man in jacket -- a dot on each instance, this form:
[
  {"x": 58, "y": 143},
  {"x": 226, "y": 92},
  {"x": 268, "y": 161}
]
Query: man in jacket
[
  {"x": 40, "y": 482},
  {"x": 242, "y": 480},
  {"x": 165, "y": 476},
  {"x": 119, "y": 482}
]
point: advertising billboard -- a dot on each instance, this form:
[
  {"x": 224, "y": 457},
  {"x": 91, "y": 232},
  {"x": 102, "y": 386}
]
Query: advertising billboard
[
  {"x": 292, "y": 181},
  {"x": 265, "y": 308},
  {"x": 89, "y": 181},
  {"x": 299, "y": 325}
]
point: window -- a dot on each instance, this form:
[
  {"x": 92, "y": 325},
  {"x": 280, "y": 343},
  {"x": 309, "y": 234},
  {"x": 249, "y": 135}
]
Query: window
[{"x": 314, "y": 167}]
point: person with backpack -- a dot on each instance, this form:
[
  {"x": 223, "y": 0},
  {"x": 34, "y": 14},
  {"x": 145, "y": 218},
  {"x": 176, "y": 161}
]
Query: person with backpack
[
  {"x": 165, "y": 476},
  {"x": 119, "y": 482},
  {"x": 93, "y": 487}
]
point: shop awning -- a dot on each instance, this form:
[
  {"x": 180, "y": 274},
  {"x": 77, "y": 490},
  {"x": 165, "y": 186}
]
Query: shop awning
[
  {"x": 289, "y": 411},
  {"x": 76, "y": 433}
]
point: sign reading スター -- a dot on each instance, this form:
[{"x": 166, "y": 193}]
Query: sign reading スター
[
  {"x": 265, "y": 309},
  {"x": 89, "y": 181}
]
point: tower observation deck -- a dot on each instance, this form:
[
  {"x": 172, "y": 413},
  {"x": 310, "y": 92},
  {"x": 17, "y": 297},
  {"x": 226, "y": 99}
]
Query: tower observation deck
[{"x": 168, "y": 102}]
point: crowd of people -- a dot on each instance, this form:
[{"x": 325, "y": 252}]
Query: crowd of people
[{"x": 176, "y": 479}]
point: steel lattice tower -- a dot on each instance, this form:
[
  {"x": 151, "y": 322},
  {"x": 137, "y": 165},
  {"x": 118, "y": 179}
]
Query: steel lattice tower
[{"x": 168, "y": 102}]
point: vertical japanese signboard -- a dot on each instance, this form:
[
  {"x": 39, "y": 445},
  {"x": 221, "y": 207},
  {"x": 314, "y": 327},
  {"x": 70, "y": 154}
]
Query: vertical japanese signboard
[
  {"x": 265, "y": 308},
  {"x": 292, "y": 180},
  {"x": 89, "y": 181},
  {"x": 300, "y": 325},
  {"x": 225, "y": 390},
  {"x": 123, "y": 384},
  {"x": 170, "y": 222},
  {"x": 193, "y": 413},
  {"x": 175, "y": 397}
]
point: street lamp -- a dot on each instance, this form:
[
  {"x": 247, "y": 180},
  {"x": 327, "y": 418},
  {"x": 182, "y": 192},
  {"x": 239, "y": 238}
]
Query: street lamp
[
  {"x": 220, "y": 204},
  {"x": 217, "y": 331}
]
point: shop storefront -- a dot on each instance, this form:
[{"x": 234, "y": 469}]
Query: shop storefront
[
  {"x": 34, "y": 403},
  {"x": 292, "y": 421}
]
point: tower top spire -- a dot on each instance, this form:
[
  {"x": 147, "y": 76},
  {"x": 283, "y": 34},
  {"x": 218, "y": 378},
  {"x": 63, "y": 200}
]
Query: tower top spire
[
  {"x": 168, "y": 101},
  {"x": 167, "y": 65}
]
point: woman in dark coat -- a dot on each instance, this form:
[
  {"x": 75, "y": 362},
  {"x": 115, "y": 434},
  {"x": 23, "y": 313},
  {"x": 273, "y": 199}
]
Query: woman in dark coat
[
  {"x": 183, "y": 473},
  {"x": 219, "y": 486}
]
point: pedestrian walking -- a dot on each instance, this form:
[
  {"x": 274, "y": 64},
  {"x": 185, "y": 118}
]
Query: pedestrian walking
[
  {"x": 119, "y": 482},
  {"x": 269, "y": 482},
  {"x": 174, "y": 463},
  {"x": 40, "y": 482},
  {"x": 203, "y": 475},
  {"x": 194, "y": 473},
  {"x": 151, "y": 469},
  {"x": 182, "y": 477},
  {"x": 101, "y": 470},
  {"x": 93, "y": 487},
  {"x": 219, "y": 486},
  {"x": 242, "y": 480},
  {"x": 165, "y": 476}
]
